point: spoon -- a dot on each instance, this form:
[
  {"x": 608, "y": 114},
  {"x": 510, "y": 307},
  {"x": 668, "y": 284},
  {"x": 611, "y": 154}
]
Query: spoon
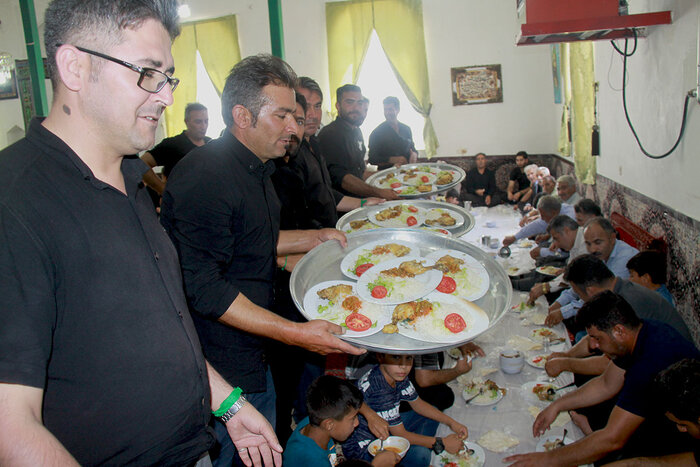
[
  {"x": 560, "y": 443},
  {"x": 551, "y": 391},
  {"x": 481, "y": 391}
]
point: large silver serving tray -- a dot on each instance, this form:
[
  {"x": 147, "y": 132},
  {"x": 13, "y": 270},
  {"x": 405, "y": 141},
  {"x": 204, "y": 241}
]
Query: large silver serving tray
[
  {"x": 343, "y": 223},
  {"x": 323, "y": 264},
  {"x": 460, "y": 175}
]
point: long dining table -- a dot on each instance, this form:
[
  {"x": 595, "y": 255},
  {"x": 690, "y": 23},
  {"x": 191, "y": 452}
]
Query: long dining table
[{"x": 513, "y": 414}]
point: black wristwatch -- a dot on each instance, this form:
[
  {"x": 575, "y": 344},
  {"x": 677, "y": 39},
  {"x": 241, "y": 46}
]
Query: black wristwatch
[{"x": 438, "y": 446}]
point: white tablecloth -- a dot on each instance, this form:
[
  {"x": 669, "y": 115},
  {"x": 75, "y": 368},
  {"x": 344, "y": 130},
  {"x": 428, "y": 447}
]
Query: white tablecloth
[{"x": 511, "y": 414}]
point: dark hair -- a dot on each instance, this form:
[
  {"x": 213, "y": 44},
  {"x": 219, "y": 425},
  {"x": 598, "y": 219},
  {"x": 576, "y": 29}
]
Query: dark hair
[
  {"x": 331, "y": 397},
  {"x": 560, "y": 222},
  {"x": 301, "y": 100},
  {"x": 588, "y": 206},
  {"x": 392, "y": 100},
  {"x": 246, "y": 81},
  {"x": 549, "y": 204},
  {"x": 354, "y": 463},
  {"x": 99, "y": 23},
  {"x": 452, "y": 193},
  {"x": 521, "y": 153},
  {"x": 678, "y": 389},
  {"x": 603, "y": 223},
  {"x": 193, "y": 107},
  {"x": 606, "y": 310},
  {"x": 346, "y": 88},
  {"x": 650, "y": 262},
  {"x": 587, "y": 270},
  {"x": 479, "y": 154},
  {"x": 308, "y": 83}
]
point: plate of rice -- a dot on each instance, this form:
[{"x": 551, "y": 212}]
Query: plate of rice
[
  {"x": 354, "y": 263},
  {"x": 402, "y": 215},
  {"x": 334, "y": 301},
  {"x": 470, "y": 276},
  {"x": 394, "y": 282},
  {"x": 445, "y": 315}
]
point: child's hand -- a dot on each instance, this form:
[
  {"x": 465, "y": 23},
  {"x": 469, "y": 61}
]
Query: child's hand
[
  {"x": 460, "y": 429},
  {"x": 386, "y": 459},
  {"x": 377, "y": 425},
  {"x": 453, "y": 444}
]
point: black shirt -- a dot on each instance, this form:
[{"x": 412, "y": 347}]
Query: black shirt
[
  {"x": 384, "y": 143},
  {"x": 223, "y": 215},
  {"x": 343, "y": 147},
  {"x": 93, "y": 310},
  {"x": 520, "y": 179},
  {"x": 477, "y": 181},
  {"x": 169, "y": 151}
]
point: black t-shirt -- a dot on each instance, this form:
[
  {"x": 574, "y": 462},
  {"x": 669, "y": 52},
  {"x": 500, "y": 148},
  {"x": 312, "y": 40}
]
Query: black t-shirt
[
  {"x": 384, "y": 143},
  {"x": 222, "y": 213},
  {"x": 520, "y": 179},
  {"x": 343, "y": 147},
  {"x": 169, "y": 151},
  {"x": 477, "y": 181},
  {"x": 92, "y": 310},
  {"x": 658, "y": 346}
]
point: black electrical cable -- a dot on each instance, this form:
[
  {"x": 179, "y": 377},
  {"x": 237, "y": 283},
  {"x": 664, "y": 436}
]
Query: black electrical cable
[{"x": 624, "y": 102}]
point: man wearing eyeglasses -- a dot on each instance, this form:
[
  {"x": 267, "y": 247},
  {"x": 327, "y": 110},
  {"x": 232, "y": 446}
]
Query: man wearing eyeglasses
[{"x": 100, "y": 362}]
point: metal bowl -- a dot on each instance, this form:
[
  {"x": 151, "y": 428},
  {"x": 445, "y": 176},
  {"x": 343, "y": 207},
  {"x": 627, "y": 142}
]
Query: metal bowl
[
  {"x": 323, "y": 264},
  {"x": 361, "y": 213},
  {"x": 461, "y": 175}
]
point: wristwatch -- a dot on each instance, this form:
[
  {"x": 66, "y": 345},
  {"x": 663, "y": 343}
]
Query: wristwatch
[
  {"x": 438, "y": 446},
  {"x": 234, "y": 409}
]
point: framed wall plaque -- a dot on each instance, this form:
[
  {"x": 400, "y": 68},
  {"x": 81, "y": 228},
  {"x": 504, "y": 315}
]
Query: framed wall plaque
[
  {"x": 8, "y": 88},
  {"x": 477, "y": 85}
]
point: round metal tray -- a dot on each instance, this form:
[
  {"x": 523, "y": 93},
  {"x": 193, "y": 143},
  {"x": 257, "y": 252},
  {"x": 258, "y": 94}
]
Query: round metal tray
[
  {"x": 461, "y": 175},
  {"x": 323, "y": 264},
  {"x": 361, "y": 213}
]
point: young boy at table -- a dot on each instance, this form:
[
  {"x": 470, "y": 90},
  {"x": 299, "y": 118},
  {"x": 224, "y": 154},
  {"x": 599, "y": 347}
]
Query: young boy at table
[
  {"x": 384, "y": 387},
  {"x": 333, "y": 405}
]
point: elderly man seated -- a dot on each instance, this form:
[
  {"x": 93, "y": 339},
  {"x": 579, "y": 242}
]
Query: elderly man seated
[
  {"x": 549, "y": 207},
  {"x": 566, "y": 190},
  {"x": 639, "y": 349},
  {"x": 548, "y": 184}
]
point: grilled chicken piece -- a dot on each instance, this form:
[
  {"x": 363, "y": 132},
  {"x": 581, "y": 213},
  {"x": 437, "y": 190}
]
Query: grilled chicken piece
[
  {"x": 333, "y": 292},
  {"x": 449, "y": 264},
  {"x": 393, "y": 248},
  {"x": 358, "y": 224},
  {"x": 406, "y": 269},
  {"x": 390, "y": 329},
  {"x": 352, "y": 303},
  {"x": 388, "y": 177},
  {"x": 389, "y": 213},
  {"x": 445, "y": 220},
  {"x": 425, "y": 188},
  {"x": 410, "y": 311},
  {"x": 444, "y": 178}
]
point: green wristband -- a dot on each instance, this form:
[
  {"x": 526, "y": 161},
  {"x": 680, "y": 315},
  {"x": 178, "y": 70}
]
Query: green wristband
[
  {"x": 228, "y": 402},
  {"x": 286, "y": 258},
  {"x": 362, "y": 202}
]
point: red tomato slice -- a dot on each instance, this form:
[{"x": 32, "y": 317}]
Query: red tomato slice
[
  {"x": 397, "y": 191},
  {"x": 425, "y": 179},
  {"x": 362, "y": 268},
  {"x": 395, "y": 185},
  {"x": 447, "y": 285},
  {"x": 443, "y": 231},
  {"x": 379, "y": 291},
  {"x": 358, "y": 322},
  {"x": 455, "y": 323},
  {"x": 411, "y": 221},
  {"x": 537, "y": 360},
  {"x": 413, "y": 209}
]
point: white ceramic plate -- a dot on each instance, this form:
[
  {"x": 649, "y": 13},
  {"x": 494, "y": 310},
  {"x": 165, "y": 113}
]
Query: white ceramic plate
[
  {"x": 367, "y": 226},
  {"x": 401, "y": 221},
  {"x": 436, "y": 230},
  {"x": 399, "y": 290},
  {"x": 548, "y": 270},
  {"x": 482, "y": 400},
  {"x": 537, "y": 360},
  {"x": 314, "y": 307},
  {"x": 385, "y": 182},
  {"x": 539, "y": 334},
  {"x": 420, "y": 178},
  {"x": 475, "y": 460},
  {"x": 435, "y": 213},
  {"x": 350, "y": 262},
  {"x": 530, "y": 396},
  {"x": 452, "y": 172},
  {"x": 472, "y": 281},
  {"x": 444, "y": 305},
  {"x": 550, "y": 439}
]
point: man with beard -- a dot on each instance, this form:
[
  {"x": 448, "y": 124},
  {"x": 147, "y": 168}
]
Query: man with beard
[
  {"x": 519, "y": 191},
  {"x": 639, "y": 350},
  {"x": 391, "y": 143},
  {"x": 343, "y": 147}
]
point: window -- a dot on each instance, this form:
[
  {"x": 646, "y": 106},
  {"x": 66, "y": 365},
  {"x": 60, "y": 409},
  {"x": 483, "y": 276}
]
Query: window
[
  {"x": 377, "y": 80},
  {"x": 207, "y": 96}
]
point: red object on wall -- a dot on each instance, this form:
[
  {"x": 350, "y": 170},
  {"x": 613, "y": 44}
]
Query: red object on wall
[{"x": 546, "y": 11}]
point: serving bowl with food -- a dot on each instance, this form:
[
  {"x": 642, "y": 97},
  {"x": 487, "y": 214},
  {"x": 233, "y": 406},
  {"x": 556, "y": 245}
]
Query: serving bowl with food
[
  {"x": 416, "y": 180},
  {"x": 396, "y": 444}
]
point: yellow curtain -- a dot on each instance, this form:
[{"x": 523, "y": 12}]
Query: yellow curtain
[
  {"x": 217, "y": 42},
  {"x": 579, "y": 79},
  {"x": 399, "y": 26}
]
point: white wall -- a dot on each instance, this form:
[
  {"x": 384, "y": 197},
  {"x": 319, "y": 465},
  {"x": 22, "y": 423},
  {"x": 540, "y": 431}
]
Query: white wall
[{"x": 660, "y": 74}]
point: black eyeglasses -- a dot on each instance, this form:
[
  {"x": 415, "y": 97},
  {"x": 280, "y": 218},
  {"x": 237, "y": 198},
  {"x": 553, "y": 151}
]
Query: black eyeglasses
[{"x": 150, "y": 79}]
